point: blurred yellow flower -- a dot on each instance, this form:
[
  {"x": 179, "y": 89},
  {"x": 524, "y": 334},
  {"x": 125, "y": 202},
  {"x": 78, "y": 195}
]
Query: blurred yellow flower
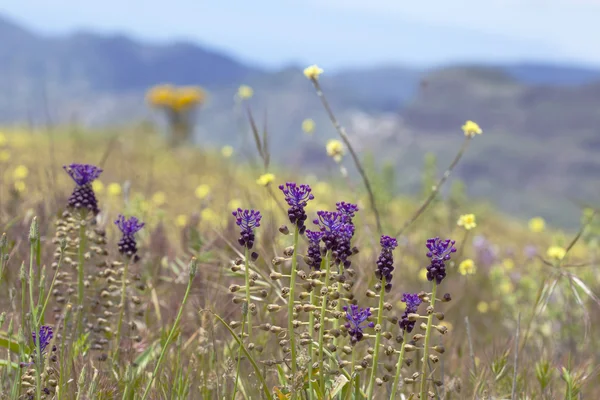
[
  {"x": 4, "y": 155},
  {"x": 312, "y": 72},
  {"x": 159, "y": 198},
  {"x": 144, "y": 206},
  {"x": 114, "y": 189},
  {"x": 467, "y": 267},
  {"x": 471, "y": 129},
  {"x": 308, "y": 125},
  {"x": 556, "y": 252},
  {"x": 508, "y": 264},
  {"x": 234, "y": 204},
  {"x": 188, "y": 97},
  {"x": 506, "y": 287},
  {"x": 245, "y": 92},
  {"x": 322, "y": 188},
  {"x": 2, "y": 139},
  {"x": 335, "y": 149},
  {"x": 537, "y": 224},
  {"x": 20, "y": 172},
  {"x": 202, "y": 191},
  {"x": 227, "y": 151},
  {"x": 423, "y": 275},
  {"x": 483, "y": 307},
  {"x": 161, "y": 96},
  {"x": 97, "y": 186},
  {"x": 209, "y": 216},
  {"x": 467, "y": 221},
  {"x": 265, "y": 179},
  {"x": 20, "y": 186},
  {"x": 181, "y": 221}
]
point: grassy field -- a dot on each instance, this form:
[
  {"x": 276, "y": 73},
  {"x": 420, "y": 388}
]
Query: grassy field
[{"x": 200, "y": 315}]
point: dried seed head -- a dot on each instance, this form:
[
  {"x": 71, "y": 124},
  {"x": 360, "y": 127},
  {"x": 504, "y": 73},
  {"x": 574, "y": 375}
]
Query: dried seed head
[
  {"x": 234, "y": 288},
  {"x": 434, "y": 358},
  {"x": 441, "y": 329},
  {"x": 275, "y": 275},
  {"x": 371, "y": 294},
  {"x": 439, "y": 316},
  {"x": 446, "y": 298},
  {"x": 283, "y": 229},
  {"x": 439, "y": 348},
  {"x": 288, "y": 251},
  {"x": 273, "y": 307}
]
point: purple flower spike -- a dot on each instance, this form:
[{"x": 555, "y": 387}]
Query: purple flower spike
[
  {"x": 314, "y": 249},
  {"x": 247, "y": 220},
  {"x": 385, "y": 261},
  {"x": 46, "y": 336},
  {"x": 356, "y": 318},
  {"x": 413, "y": 301},
  {"x": 337, "y": 234},
  {"x": 129, "y": 227},
  {"x": 439, "y": 252},
  {"x": 347, "y": 209},
  {"x": 83, "y": 196},
  {"x": 297, "y": 197}
]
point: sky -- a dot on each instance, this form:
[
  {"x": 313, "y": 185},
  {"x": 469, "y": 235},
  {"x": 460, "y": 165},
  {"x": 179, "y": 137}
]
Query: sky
[{"x": 340, "y": 33}]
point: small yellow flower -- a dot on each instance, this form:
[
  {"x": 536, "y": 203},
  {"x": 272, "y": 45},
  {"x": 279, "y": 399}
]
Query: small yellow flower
[
  {"x": 234, "y": 204},
  {"x": 159, "y": 198},
  {"x": 114, "y": 189},
  {"x": 202, "y": 191},
  {"x": 423, "y": 275},
  {"x": 467, "y": 221},
  {"x": 97, "y": 186},
  {"x": 4, "y": 155},
  {"x": 312, "y": 72},
  {"x": 265, "y": 179},
  {"x": 508, "y": 264},
  {"x": 335, "y": 149},
  {"x": 506, "y": 287},
  {"x": 467, "y": 267},
  {"x": 20, "y": 172},
  {"x": 537, "y": 224},
  {"x": 227, "y": 151},
  {"x": 144, "y": 206},
  {"x": 20, "y": 186},
  {"x": 209, "y": 216},
  {"x": 471, "y": 129},
  {"x": 308, "y": 126},
  {"x": 322, "y": 189},
  {"x": 245, "y": 92},
  {"x": 556, "y": 252},
  {"x": 181, "y": 221},
  {"x": 483, "y": 307},
  {"x": 3, "y": 139}
]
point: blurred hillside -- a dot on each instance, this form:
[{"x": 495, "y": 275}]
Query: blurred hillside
[{"x": 539, "y": 151}]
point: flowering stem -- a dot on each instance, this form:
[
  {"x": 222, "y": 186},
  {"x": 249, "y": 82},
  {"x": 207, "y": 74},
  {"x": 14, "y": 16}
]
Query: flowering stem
[
  {"x": 121, "y": 309},
  {"x": 247, "y": 276},
  {"x": 34, "y": 325},
  {"x": 338, "y": 307},
  {"x": 426, "y": 345},
  {"x": 237, "y": 370},
  {"x": 322, "y": 319},
  {"x": 43, "y": 311},
  {"x": 311, "y": 328},
  {"x": 371, "y": 386},
  {"x": 342, "y": 132},
  {"x": 80, "y": 278},
  {"x": 398, "y": 367},
  {"x": 436, "y": 188},
  {"x": 291, "y": 298}
]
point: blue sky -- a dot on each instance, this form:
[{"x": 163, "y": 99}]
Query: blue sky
[{"x": 341, "y": 33}]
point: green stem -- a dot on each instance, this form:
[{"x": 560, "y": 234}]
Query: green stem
[
  {"x": 49, "y": 294},
  {"x": 371, "y": 386},
  {"x": 322, "y": 321},
  {"x": 172, "y": 332},
  {"x": 237, "y": 370},
  {"x": 291, "y": 299},
  {"x": 338, "y": 307},
  {"x": 121, "y": 309},
  {"x": 248, "y": 300},
  {"x": 80, "y": 278},
  {"x": 38, "y": 351},
  {"x": 426, "y": 345},
  {"x": 398, "y": 367},
  {"x": 311, "y": 328}
]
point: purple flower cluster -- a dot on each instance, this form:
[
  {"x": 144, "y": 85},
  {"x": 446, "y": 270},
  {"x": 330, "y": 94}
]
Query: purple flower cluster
[
  {"x": 385, "y": 261},
  {"x": 297, "y": 197},
  {"x": 413, "y": 301},
  {"x": 247, "y": 220},
  {"x": 439, "y": 252},
  {"x": 128, "y": 227},
  {"x": 348, "y": 209},
  {"x": 46, "y": 334},
  {"x": 356, "y": 318},
  {"x": 83, "y": 196},
  {"x": 337, "y": 234},
  {"x": 314, "y": 249}
]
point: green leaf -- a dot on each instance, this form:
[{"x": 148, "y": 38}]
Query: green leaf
[
  {"x": 4, "y": 363},
  {"x": 9, "y": 344}
]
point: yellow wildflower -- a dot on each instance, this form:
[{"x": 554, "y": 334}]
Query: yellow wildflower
[
  {"x": 144, "y": 206},
  {"x": 20, "y": 186},
  {"x": 312, "y": 72},
  {"x": 161, "y": 96},
  {"x": 467, "y": 221},
  {"x": 4, "y": 155},
  {"x": 181, "y": 221},
  {"x": 227, "y": 151},
  {"x": 20, "y": 172},
  {"x": 556, "y": 252},
  {"x": 245, "y": 92},
  {"x": 188, "y": 97},
  {"x": 202, "y": 191},
  {"x": 159, "y": 198},
  {"x": 265, "y": 179},
  {"x": 483, "y": 307},
  {"x": 507, "y": 287},
  {"x": 322, "y": 189},
  {"x": 467, "y": 267},
  {"x": 234, "y": 204},
  {"x": 114, "y": 189},
  {"x": 97, "y": 186},
  {"x": 537, "y": 224},
  {"x": 335, "y": 149},
  {"x": 471, "y": 129},
  {"x": 3, "y": 139},
  {"x": 308, "y": 125},
  {"x": 423, "y": 275},
  {"x": 209, "y": 216},
  {"x": 508, "y": 264}
]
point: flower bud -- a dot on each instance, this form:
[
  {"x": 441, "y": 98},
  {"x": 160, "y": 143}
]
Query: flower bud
[
  {"x": 283, "y": 229},
  {"x": 273, "y": 307},
  {"x": 288, "y": 251},
  {"x": 439, "y": 348},
  {"x": 275, "y": 275}
]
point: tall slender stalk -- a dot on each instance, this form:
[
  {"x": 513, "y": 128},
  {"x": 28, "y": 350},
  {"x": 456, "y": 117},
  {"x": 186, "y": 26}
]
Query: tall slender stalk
[
  {"x": 248, "y": 299},
  {"x": 237, "y": 369},
  {"x": 322, "y": 321},
  {"x": 33, "y": 314},
  {"x": 121, "y": 309},
  {"x": 398, "y": 367},
  {"x": 371, "y": 386},
  {"x": 291, "y": 298},
  {"x": 423, "y": 388},
  {"x": 311, "y": 328},
  {"x": 80, "y": 276},
  {"x": 338, "y": 306}
]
